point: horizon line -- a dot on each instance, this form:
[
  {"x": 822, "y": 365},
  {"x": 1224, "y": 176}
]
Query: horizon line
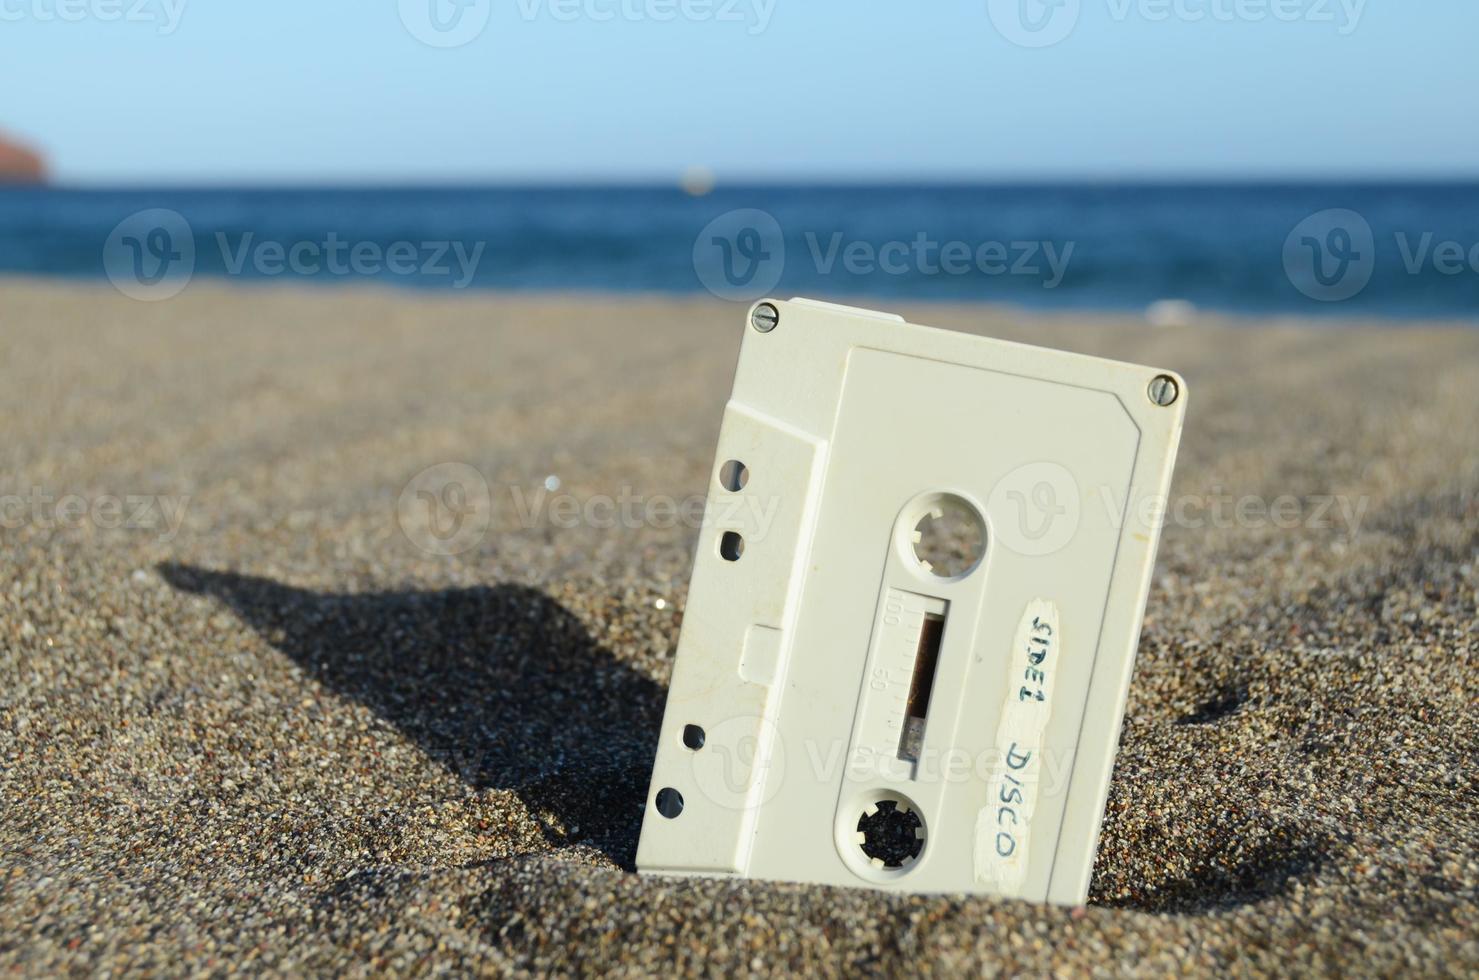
[{"x": 1296, "y": 179}]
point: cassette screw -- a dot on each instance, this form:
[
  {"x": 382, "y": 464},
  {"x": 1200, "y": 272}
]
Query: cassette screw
[
  {"x": 1163, "y": 390},
  {"x": 765, "y": 317}
]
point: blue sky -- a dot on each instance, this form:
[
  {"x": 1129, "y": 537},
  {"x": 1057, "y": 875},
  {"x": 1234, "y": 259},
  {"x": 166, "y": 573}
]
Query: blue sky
[{"x": 343, "y": 90}]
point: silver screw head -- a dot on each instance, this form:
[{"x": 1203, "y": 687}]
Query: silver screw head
[
  {"x": 1163, "y": 390},
  {"x": 765, "y": 317}
]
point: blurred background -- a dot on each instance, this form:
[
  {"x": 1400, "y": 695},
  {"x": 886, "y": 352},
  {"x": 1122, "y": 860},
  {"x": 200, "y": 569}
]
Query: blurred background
[
  {"x": 1312, "y": 157},
  {"x": 362, "y": 366}
]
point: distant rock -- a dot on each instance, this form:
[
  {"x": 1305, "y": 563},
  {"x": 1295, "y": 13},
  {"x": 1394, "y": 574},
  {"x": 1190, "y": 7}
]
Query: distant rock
[{"x": 19, "y": 165}]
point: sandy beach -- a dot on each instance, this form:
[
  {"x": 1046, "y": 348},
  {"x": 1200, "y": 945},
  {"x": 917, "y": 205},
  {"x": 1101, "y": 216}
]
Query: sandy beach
[{"x": 252, "y": 719}]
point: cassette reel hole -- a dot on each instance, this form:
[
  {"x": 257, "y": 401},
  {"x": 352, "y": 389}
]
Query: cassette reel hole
[
  {"x": 949, "y": 536},
  {"x": 890, "y": 834}
]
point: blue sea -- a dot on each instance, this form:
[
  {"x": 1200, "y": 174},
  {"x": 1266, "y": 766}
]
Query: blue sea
[{"x": 1398, "y": 250}]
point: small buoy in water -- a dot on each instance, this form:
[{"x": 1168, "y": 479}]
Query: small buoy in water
[
  {"x": 1170, "y": 313},
  {"x": 697, "y": 181}
]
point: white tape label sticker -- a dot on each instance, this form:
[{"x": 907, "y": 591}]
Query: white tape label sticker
[{"x": 1003, "y": 825}]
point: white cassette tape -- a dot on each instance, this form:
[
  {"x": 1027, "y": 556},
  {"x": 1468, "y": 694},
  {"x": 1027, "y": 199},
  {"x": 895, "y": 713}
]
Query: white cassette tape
[{"x": 914, "y": 610}]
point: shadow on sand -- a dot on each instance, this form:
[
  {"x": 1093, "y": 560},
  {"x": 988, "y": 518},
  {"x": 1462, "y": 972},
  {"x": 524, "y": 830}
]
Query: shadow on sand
[{"x": 502, "y": 685}]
